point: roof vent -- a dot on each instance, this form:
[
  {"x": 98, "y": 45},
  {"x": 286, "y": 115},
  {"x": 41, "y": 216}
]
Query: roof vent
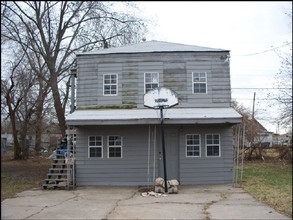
[{"x": 143, "y": 39}]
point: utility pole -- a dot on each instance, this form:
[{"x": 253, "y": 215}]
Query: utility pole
[{"x": 253, "y": 105}]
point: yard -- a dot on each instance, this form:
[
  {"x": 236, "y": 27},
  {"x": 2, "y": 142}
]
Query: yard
[
  {"x": 268, "y": 181},
  {"x": 17, "y": 176}
]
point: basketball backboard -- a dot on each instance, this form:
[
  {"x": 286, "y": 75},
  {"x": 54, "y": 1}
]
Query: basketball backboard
[{"x": 160, "y": 97}]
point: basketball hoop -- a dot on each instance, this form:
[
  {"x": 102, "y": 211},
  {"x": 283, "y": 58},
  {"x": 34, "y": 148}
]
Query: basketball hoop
[{"x": 161, "y": 98}]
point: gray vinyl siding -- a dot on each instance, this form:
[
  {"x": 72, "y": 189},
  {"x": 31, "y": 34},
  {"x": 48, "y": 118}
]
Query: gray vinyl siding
[
  {"x": 175, "y": 72},
  {"x": 207, "y": 170},
  {"x": 132, "y": 169}
]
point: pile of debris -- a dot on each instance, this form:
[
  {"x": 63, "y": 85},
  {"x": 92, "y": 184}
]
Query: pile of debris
[{"x": 172, "y": 185}]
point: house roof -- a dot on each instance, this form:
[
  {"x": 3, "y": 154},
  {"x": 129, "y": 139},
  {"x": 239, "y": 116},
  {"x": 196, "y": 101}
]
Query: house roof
[
  {"x": 151, "y": 116},
  {"x": 153, "y": 47}
]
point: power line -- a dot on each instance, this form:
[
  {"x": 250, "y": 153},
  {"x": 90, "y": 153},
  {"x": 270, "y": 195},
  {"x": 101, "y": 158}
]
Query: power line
[
  {"x": 260, "y": 88},
  {"x": 258, "y": 99},
  {"x": 252, "y": 54}
]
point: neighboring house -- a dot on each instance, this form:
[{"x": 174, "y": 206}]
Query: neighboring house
[
  {"x": 118, "y": 140},
  {"x": 280, "y": 140},
  {"x": 266, "y": 138},
  {"x": 50, "y": 137},
  {"x": 258, "y": 135}
]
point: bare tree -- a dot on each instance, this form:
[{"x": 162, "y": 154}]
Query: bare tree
[
  {"x": 20, "y": 102},
  {"x": 251, "y": 129},
  {"x": 283, "y": 83},
  {"x": 56, "y": 30}
]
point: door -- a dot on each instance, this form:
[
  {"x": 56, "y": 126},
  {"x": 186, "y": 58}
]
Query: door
[{"x": 172, "y": 154}]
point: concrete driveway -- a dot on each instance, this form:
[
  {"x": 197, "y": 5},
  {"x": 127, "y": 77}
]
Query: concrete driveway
[{"x": 192, "y": 202}]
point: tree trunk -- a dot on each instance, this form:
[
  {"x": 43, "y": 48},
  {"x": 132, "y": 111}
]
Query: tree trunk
[
  {"x": 58, "y": 105},
  {"x": 16, "y": 145},
  {"x": 38, "y": 135},
  {"x": 23, "y": 145},
  {"x": 39, "y": 123}
]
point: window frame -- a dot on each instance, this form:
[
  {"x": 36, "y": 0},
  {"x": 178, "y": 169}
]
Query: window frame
[
  {"x": 206, "y": 145},
  {"x": 114, "y": 146},
  {"x": 205, "y": 82},
  {"x": 145, "y": 83},
  {"x": 199, "y": 146},
  {"x": 95, "y": 146},
  {"x": 110, "y": 84}
]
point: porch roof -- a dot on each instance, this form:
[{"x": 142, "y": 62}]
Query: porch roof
[{"x": 152, "y": 116}]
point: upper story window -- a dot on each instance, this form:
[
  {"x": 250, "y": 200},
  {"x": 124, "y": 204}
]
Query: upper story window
[
  {"x": 95, "y": 144},
  {"x": 114, "y": 146},
  {"x": 193, "y": 145},
  {"x": 199, "y": 82},
  {"x": 151, "y": 81},
  {"x": 213, "y": 148},
  {"x": 110, "y": 84}
]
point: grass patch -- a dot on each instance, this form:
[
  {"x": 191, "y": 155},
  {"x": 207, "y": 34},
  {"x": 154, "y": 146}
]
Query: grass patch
[
  {"x": 21, "y": 175},
  {"x": 270, "y": 183},
  {"x": 10, "y": 186}
]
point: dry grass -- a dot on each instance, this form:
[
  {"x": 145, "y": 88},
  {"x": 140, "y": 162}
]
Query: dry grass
[
  {"x": 17, "y": 176},
  {"x": 271, "y": 183}
]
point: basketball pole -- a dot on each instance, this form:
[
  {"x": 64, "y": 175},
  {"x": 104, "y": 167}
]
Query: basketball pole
[
  {"x": 161, "y": 98},
  {"x": 163, "y": 147}
]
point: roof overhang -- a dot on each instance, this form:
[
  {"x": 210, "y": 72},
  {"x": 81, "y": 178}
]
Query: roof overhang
[{"x": 151, "y": 116}]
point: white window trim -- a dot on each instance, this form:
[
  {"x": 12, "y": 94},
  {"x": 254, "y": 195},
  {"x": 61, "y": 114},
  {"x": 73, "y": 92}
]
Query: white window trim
[
  {"x": 102, "y": 154},
  {"x": 145, "y": 81},
  {"x": 110, "y": 84},
  {"x": 206, "y": 82},
  {"x": 108, "y": 146},
  {"x": 206, "y": 147},
  {"x": 186, "y": 146}
]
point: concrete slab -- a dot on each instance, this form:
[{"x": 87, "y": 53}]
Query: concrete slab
[{"x": 192, "y": 202}]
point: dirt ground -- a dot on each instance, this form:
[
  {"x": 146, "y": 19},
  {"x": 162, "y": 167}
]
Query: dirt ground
[{"x": 36, "y": 167}]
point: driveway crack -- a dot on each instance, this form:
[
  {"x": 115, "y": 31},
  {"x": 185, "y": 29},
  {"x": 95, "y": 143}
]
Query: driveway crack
[
  {"x": 117, "y": 204},
  {"x": 223, "y": 196},
  {"x": 75, "y": 195}
]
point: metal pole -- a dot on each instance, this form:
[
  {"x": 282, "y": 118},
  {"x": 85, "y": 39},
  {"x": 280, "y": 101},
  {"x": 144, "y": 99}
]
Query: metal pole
[
  {"x": 242, "y": 156},
  {"x": 163, "y": 148},
  {"x": 67, "y": 160},
  {"x": 72, "y": 98},
  {"x": 149, "y": 155},
  {"x": 253, "y": 105}
]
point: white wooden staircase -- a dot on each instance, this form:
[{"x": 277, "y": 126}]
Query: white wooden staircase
[{"x": 61, "y": 174}]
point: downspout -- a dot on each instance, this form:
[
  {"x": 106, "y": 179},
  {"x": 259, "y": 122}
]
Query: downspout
[{"x": 73, "y": 75}]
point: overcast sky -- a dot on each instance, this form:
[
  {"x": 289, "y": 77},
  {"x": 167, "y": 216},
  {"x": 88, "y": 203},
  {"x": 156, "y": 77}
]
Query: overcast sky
[{"x": 250, "y": 30}]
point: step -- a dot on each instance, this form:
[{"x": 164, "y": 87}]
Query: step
[
  {"x": 56, "y": 176},
  {"x": 55, "y": 186},
  {"x": 55, "y": 181},
  {"x": 59, "y": 166},
  {"x": 60, "y": 160},
  {"x": 57, "y": 170}
]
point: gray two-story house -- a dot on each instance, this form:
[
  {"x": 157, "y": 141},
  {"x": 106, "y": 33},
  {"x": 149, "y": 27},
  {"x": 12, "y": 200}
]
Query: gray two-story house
[{"x": 118, "y": 139}]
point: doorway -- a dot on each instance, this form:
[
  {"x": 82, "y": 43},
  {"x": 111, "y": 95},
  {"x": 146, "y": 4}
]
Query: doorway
[{"x": 172, "y": 154}]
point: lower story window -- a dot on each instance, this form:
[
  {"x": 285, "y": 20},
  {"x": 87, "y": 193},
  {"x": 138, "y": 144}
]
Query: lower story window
[
  {"x": 95, "y": 152},
  {"x": 192, "y": 145},
  {"x": 95, "y": 144},
  {"x": 115, "y": 152},
  {"x": 213, "y": 145},
  {"x": 115, "y": 146}
]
